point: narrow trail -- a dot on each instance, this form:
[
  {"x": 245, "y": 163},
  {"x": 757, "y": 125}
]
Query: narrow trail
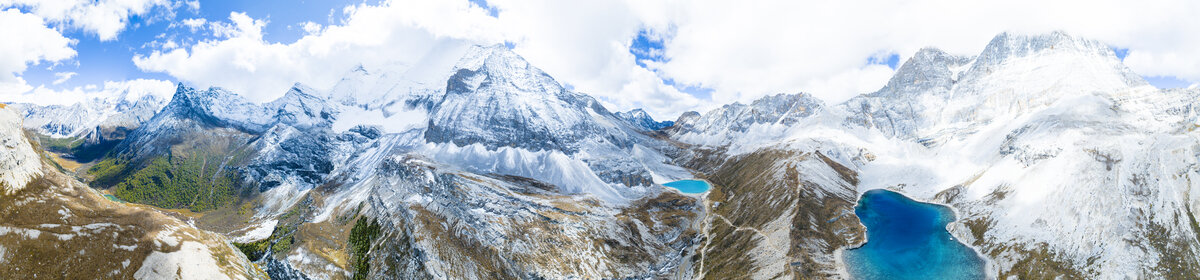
[
  {"x": 708, "y": 220},
  {"x": 707, "y": 236},
  {"x": 203, "y": 165},
  {"x": 741, "y": 228}
]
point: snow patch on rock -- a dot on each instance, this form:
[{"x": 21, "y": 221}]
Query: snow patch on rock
[
  {"x": 19, "y": 163},
  {"x": 192, "y": 261}
]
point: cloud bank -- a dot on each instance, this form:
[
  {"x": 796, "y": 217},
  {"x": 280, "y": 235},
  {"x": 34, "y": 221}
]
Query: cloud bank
[{"x": 701, "y": 53}]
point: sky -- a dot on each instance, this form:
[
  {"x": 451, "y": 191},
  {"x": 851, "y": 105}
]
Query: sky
[{"x": 665, "y": 56}]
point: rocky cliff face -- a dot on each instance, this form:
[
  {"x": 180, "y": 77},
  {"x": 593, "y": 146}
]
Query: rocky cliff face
[
  {"x": 642, "y": 120},
  {"x": 472, "y": 163},
  {"x": 87, "y": 130},
  {"x": 52, "y": 226},
  {"x": 520, "y": 165},
  {"x": 1060, "y": 161}
]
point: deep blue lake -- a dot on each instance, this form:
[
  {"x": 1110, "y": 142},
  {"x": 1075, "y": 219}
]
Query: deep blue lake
[
  {"x": 907, "y": 239},
  {"x": 690, "y": 186}
]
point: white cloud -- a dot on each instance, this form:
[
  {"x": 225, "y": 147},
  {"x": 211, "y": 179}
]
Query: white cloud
[
  {"x": 586, "y": 44},
  {"x": 62, "y": 77},
  {"x": 111, "y": 90},
  {"x": 239, "y": 25},
  {"x": 245, "y": 63},
  {"x": 33, "y": 42},
  {"x": 104, "y": 18},
  {"x": 746, "y": 50},
  {"x": 193, "y": 5},
  {"x": 852, "y": 82},
  {"x": 193, "y": 24},
  {"x": 597, "y": 62},
  {"x": 741, "y": 50},
  {"x": 311, "y": 28}
]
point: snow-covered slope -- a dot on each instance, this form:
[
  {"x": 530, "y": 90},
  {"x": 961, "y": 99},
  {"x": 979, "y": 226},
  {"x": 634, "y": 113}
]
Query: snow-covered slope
[
  {"x": 762, "y": 120},
  {"x": 503, "y": 133},
  {"x": 511, "y": 110},
  {"x": 936, "y": 95},
  {"x": 95, "y": 120},
  {"x": 642, "y": 120},
  {"x": 19, "y": 163},
  {"x": 493, "y": 114},
  {"x": 1060, "y": 160},
  {"x": 52, "y": 226}
]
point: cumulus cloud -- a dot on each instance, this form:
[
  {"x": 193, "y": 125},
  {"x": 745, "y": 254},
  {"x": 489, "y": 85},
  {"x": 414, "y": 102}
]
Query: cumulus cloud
[
  {"x": 193, "y": 5},
  {"x": 111, "y": 90},
  {"x": 62, "y": 77},
  {"x": 311, "y": 27},
  {"x": 32, "y": 43},
  {"x": 193, "y": 24},
  {"x": 548, "y": 34},
  {"x": 738, "y": 50},
  {"x": 104, "y": 18},
  {"x": 746, "y": 50},
  {"x": 586, "y": 44},
  {"x": 392, "y": 33}
]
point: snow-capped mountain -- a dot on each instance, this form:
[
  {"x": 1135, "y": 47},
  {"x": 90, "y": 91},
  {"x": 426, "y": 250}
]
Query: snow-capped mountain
[
  {"x": 52, "y": 226},
  {"x": 471, "y": 163},
  {"x": 93, "y": 119},
  {"x": 642, "y": 120},
  {"x": 935, "y": 94},
  {"x": 732, "y": 121},
  {"x": 497, "y": 133},
  {"x": 1060, "y": 160},
  {"x": 86, "y": 130}
]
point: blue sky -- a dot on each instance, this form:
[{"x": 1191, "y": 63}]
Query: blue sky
[
  {"x": 99, "y": 61},
  {"x": 667, "y": 57}
]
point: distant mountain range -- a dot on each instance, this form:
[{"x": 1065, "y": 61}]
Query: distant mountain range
[{"x": 473, "y": 164}]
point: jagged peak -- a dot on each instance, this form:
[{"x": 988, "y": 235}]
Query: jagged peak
[
  {"x": 216, "y": 106},
  {"x": 497, "y": 58},
  {"x": 687, "y": 119},
  {"x": 500, "y": 65},
  {"x": 202, "y": 99},
  {"x": 299, "y": 91},
  {"x": 360, "y": 70},
  {"x": 183, "y": 95},
  {"x": 638, "y": 112},
  {"x": 789, "y": 98},
  {"x": 1008, "y": 44},
  {"x": 929, "y": 68},
  {"x": 641, "y": 119},
  {"x": 686, "y": 116}
]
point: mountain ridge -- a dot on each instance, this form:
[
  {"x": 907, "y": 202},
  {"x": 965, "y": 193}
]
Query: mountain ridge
[{"x": 1057, "y": 161}]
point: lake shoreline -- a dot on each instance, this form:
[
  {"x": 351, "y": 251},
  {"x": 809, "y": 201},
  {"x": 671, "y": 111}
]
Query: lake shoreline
[{"x": 908, "y": 224}]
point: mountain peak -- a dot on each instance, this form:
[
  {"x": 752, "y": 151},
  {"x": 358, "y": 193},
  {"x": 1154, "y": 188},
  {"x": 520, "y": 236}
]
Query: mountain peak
[
  {"x": 1014, "y": 74},
  {"x": 1056, "y": 52},
  {"x": 217, "y": 106},
  {"x": 642, "y": 120},
  {"x": 478, "y": 55},
  {"x": 520, "y": 105},
  {"x": 1008, "y": 45},
  {"x": 928, "y": 69},
  {"x": 718, "y": 126}
]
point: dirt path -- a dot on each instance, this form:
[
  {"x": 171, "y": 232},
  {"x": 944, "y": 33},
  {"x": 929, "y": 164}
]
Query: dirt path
[{"x": 709, "y": 217}]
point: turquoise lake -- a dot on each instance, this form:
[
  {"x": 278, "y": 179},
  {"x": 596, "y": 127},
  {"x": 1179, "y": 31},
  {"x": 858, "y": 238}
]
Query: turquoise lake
[
  {"x": 907, "y": 239},
  {"x": 690, "y": 186}
]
